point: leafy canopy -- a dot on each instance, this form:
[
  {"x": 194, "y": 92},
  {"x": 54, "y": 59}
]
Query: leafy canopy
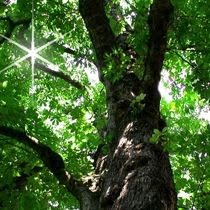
[{"x": 68, "y": 118}]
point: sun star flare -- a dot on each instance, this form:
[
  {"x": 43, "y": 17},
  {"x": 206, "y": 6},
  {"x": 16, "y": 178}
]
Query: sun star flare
[{"x": 32, "y": 52}]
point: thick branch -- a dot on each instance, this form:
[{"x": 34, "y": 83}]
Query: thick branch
[
  {"x": 60, "y": 75},
  {"x": 97, "y": 24},
  {"x": 103, "y": 40},
  {"x": 158, "y": 21},
  {"x": 52, "y": 160}
]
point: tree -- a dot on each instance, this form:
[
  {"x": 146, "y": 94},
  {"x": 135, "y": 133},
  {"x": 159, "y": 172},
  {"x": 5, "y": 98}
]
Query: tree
[{"x": 106, "y": 142}]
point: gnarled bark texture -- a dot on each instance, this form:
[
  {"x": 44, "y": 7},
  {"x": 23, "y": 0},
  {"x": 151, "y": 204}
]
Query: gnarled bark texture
[{"x": 137, "y": 173}]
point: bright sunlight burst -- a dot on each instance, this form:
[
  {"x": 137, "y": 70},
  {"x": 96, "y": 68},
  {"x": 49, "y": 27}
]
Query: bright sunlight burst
[{"x": 32, "y": 52}]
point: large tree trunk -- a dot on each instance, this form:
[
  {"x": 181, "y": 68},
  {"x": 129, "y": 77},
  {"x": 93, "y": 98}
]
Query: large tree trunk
[{"x": 136, "y": 174}]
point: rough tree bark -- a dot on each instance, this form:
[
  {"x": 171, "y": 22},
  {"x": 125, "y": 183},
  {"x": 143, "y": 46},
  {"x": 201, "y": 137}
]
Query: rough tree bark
[{"x": 137, "y": 173}]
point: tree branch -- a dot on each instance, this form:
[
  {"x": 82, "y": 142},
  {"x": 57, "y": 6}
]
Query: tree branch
[
  {"x": 185, "y": 60},
  {"x": 77, "y": 55},
  {"x": 52, "y": 160},
  {"x": 97, "y": 24},
  {"x": 60, "y": 75},
  {"x": 158, "y": 21}
]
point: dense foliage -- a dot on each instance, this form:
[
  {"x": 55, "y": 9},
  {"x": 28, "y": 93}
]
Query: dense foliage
[{"x": 65, "y": 107}]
